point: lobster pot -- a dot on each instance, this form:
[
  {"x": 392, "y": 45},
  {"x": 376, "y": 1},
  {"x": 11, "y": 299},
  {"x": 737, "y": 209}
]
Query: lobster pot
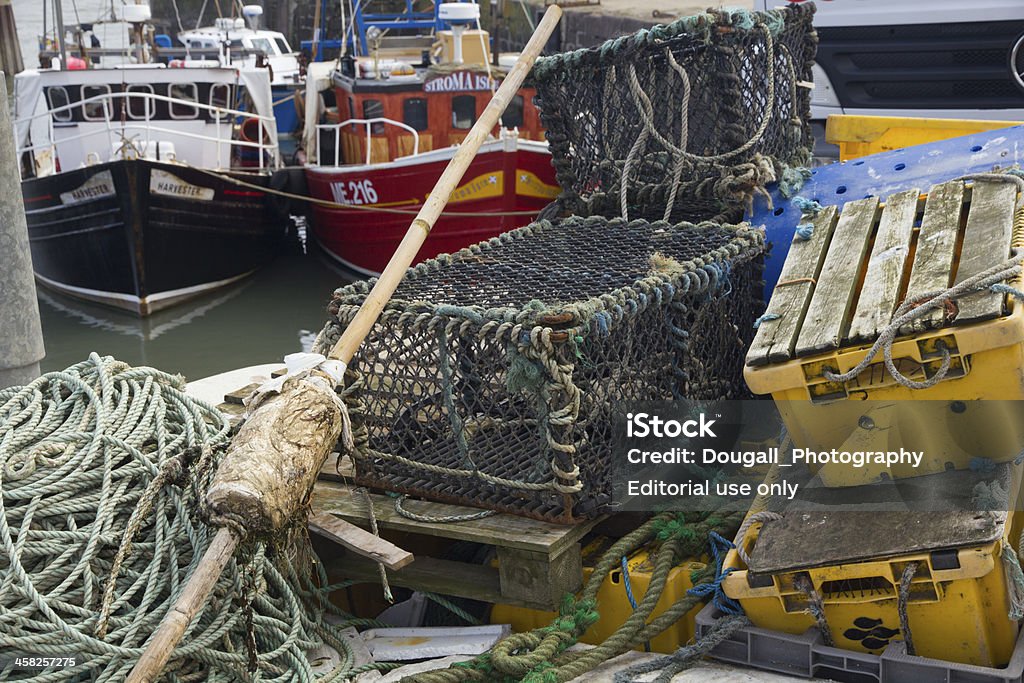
[
  {"x": 490, "y": 377},
  {"x": 682, "y": 122}
]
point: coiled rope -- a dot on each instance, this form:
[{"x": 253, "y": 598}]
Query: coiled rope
[{"x": 102, "y": 467}]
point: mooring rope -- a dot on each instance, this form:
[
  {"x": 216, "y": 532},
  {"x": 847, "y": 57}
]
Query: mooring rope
[{"x": 102, "y": 470}]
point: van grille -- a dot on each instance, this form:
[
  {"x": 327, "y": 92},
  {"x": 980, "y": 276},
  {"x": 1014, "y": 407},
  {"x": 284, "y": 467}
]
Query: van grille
[{"x": 927, "y": 66}]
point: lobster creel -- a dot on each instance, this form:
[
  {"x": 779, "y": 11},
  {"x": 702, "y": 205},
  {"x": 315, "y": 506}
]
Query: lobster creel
[{"x": 491, "y": 376}]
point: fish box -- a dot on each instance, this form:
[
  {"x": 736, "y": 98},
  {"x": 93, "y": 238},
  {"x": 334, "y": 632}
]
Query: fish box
[
  {"x": 952, "y": 387},
  {"x": 938, "y": 580},
  {"x": 491, "y": 376}
]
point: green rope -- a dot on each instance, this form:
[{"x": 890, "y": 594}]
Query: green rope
[
  {"x": 102, "y": 467},
  {"x": 542, "y": 656}
]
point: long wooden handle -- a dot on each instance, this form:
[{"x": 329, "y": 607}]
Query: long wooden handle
[
  {"x": 173, "y": 626},
  {"x": 421, "y": 226}
]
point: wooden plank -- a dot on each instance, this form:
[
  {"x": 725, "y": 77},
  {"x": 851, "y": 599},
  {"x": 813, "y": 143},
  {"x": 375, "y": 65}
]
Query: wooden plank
[
  {"x": 986, "y": 243},
  {"x": 238, "y": 396},
  {"x": 359, "y": 541},
  {"x": 775, "y": 339},
  {"x": 446, "y": 577},
  {"x": 528, "y": 576},
  {"x": 880, "y": 292},
  {"x": 501, "y": 530},
  {"x": 835, "y": 294},
  {"x": 936, "y": 244}
]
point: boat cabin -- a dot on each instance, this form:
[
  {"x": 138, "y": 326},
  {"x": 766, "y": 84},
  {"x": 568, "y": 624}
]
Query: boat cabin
[
  {"x": 389, "y": 109},
  {"x": 249, "y": 47},
  {"x": 209, "y": 117}
]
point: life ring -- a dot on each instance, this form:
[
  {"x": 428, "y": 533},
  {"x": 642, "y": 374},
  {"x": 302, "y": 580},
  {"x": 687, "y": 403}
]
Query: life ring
[{"x": 249, "y": 131}]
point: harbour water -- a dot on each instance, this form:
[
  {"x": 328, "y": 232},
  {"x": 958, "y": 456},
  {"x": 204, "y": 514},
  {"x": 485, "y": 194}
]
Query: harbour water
[{"x": 276, "y": 311}]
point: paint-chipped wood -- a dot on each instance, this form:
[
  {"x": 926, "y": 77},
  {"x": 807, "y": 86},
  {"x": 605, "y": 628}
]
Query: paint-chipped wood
[
  {"x": 501, "y": 529},
  {"x": 834, "y": 298},
  {"x": 358, "y": 540},
  {"x": 775, "y": 339},
  {"x": 986, "y": 243},
  {"x": 882, "y": 280},
  {"x": 936, "y": 244}
]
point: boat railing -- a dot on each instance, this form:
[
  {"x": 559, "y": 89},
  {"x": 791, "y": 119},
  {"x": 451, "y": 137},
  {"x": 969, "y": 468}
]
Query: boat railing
[
  {"x": 116, "y": 129},
  {"x": 368, "y": 126}
]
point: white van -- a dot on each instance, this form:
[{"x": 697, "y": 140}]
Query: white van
[{"x": 934, "y": 58}]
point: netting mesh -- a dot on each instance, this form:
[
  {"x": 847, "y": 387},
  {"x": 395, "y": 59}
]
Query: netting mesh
[
  {"x": 685, "y": 121},
  {"x": 491, "y": 375}
]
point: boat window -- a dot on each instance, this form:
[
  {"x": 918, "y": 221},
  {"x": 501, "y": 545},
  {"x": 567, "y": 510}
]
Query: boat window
[
  {"x": 98, "y": 109},
  {"x": 282, "y": 46},
  {"x": 220, "y": 96},
  {"x": 513, "y": 116},
  {"x": 463, "y": 111},
  {"x": 374, "y": 109},
  {"x": 181, "y": 93},
  {"x": 58, "y": 97},
  {"x": 263, "y": 45},
  {"x": 414, "y": 113},
  {"x": 140, "y": 106}
]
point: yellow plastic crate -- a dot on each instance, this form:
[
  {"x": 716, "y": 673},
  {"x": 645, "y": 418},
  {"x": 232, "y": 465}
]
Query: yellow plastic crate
[
  {"x": 859, "y": 136},
  {"x": 957, "y": 605},
  {"x": 614, "y": 605},
  {"x": 819, "y": 313}
]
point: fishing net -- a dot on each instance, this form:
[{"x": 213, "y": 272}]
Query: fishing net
[
  {"x": 491, "y": 375},
  {"x": 685, "y": 121}
]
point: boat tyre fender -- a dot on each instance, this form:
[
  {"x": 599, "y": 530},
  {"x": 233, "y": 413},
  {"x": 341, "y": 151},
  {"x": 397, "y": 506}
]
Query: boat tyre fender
[{"x": 291, "y": 181}]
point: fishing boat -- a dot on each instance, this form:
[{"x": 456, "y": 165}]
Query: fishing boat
[
  {"x": 250, "y": 46},
  {"x": 143, "y": 183},
  {"x": 404, "y": 103}
]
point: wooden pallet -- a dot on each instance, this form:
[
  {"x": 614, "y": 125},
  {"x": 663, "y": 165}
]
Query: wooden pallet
[
  {"x": 538, "y": 562},
  {"x": 840, "y": 287}
]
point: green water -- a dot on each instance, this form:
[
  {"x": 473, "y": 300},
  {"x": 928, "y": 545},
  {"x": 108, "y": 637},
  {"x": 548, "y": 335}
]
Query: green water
[{"x": 276, "y": 311}]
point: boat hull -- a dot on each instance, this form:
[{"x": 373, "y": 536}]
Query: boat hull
[
  {"x": 142, "y": 235},
  {"x": 504, "y": 188}
]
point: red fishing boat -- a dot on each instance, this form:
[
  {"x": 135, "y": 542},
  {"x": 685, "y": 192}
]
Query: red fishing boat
[{"x": 396, "y": 125}]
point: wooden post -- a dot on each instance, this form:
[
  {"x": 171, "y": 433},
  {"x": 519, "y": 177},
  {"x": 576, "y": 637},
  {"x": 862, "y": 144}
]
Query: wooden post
[
  {"x": 21, "y": 335},
  {"x": 159, "y": 649}
]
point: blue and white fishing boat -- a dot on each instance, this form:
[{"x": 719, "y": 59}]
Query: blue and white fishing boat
[{"x": 246, "y": 45}]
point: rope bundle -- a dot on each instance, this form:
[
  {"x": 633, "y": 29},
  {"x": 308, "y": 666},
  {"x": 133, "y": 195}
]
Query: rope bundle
[{"x": 101, "y": 469}]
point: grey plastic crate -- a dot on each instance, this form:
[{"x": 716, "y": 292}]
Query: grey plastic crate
[{"x": 807, "y": 656}]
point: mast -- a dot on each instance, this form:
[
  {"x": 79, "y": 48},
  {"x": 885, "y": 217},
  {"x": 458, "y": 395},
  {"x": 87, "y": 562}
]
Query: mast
[{"x": 58, "y": 20}]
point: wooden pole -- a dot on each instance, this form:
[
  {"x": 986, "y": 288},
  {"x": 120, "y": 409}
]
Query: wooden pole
[
  {"x": 421, "y": 226},
  {"x": 172, "y": 628}
]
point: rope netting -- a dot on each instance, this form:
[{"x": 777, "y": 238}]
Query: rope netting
[
  {"x": 491, "y": 376},
  {"x": 685, "y": 121},
  {"x": 102, "y": 466}
]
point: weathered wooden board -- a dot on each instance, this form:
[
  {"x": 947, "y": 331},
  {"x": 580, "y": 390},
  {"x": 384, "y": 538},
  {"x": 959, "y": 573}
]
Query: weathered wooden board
[
  {"x": 986, "y": 243},
  {"x": 775, "y": 339},
  {"x": 936, "y": 246},
  {"x": 879, "y": 294},
  {"x": 828, "y": 314},
  {"x": 359, "y": 540},
  {"x": 502, "y": 530},
  {"x": 445, "y": 577}
]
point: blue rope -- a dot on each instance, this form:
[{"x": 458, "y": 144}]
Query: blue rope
[
  {"x": 766, "y": 318},
  {"x": 629, "y": 593},
  {"x": 626, "y": 584},
  {"x": 719, "y": 546},
  {"x": 806, "y": 205},
  {"x": 804, "y": 231}
]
